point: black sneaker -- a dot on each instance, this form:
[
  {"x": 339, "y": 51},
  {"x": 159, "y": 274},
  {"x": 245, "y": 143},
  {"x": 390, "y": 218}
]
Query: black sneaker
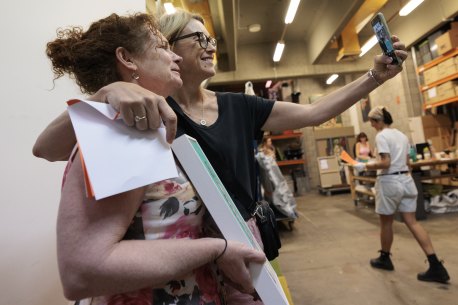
[
  {"x": 383, "y": 261},
  {"x": 437, "y": 273}
]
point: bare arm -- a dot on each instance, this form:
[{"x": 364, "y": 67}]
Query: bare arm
[
  {"x": 384, "y": 163},
  {"x": 292, "y": 116},
  {"x": 94, "y": 260},
  {"x": 56, "y": 142}
]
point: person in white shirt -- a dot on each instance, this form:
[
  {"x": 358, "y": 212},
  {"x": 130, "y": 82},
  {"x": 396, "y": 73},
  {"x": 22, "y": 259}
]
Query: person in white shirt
[{"x": 396, "y": 190}]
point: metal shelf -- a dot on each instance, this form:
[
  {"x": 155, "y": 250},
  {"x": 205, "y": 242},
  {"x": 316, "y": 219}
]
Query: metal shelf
[
  {"x": 285, "y": 136},
  {"x": 290, "y": 162},
  {"x": 439, "y": 82},
  {"x": 437, "y": 61}
]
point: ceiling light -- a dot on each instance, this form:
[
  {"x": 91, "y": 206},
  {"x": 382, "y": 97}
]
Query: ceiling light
[
  {"x": 169, "y": 8},
  {"x": 254, "y": 28},
  {"x": 268, "y": 83},
  {"x": 279, "y": 51},
  {"x": 409, "y": 7},
  {"x": 293, "y": 4},
  {"x": 368, "y": 45},
  {"x": 331, "y": 79}
]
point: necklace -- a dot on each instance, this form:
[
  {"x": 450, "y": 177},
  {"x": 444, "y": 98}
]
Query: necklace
[{"x": 202, "y": 121}]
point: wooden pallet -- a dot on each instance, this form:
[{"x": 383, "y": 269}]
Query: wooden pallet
[{"x": 328, "y": 191}]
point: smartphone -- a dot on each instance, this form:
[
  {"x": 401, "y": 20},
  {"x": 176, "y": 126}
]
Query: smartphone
[{"x": 383, "y": 35}]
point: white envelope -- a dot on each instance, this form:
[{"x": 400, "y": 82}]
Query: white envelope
[{"x": 118, "y": 158}]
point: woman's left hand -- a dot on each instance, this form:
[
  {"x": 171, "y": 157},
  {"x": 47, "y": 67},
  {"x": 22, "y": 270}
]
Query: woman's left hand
[{"x": 383, "y": 69}]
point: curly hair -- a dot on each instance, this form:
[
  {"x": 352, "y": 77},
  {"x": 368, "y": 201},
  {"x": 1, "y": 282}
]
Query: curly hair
[{"x": 89, "y": 57}]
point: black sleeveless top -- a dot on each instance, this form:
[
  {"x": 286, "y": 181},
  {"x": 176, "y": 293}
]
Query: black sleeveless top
[{"x": 232, "y": 139}]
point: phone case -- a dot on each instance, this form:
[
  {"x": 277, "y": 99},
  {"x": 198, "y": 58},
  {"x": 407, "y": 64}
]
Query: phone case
[{"x": 383, "y": 35}]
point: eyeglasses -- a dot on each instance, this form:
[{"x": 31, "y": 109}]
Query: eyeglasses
[{"x": 202, "y": 38}]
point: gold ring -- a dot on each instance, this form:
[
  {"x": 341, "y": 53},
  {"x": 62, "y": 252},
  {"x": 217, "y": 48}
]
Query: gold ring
[{"x": 139, "y": 118}]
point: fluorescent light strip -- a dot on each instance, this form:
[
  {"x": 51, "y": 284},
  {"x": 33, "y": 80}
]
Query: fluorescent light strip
[
  {"x": 279, "y": 51},
  {"x": 292, "y": 9},
  {"x": 368, "y": 45},
  {"x": 331, "y": 79},
  {"x": 409, "y": 7},
  {"x": 169, "y": 8},
  {"x": 268, "y": 83}
]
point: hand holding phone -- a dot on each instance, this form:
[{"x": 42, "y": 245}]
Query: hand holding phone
[{"x": 383, "y": 35}]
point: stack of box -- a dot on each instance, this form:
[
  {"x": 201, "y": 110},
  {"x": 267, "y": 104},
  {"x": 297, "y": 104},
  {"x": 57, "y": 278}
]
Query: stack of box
[
  {"x": 447, "y": 67},
  {"x": 437, "y": 129},
  {"x": 448, "y": 40},
  {"x": 431, "y": 75},
  {"x": 447, "y": 90},
  {"x": 431, "y": 96}
]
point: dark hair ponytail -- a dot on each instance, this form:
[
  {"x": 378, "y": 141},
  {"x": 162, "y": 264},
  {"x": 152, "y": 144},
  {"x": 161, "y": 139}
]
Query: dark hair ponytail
[{"x": 387, "y": 119}]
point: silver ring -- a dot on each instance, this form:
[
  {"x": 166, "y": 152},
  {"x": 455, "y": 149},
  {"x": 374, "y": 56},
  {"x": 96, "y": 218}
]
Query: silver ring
[{"x": 139, "y": 118}]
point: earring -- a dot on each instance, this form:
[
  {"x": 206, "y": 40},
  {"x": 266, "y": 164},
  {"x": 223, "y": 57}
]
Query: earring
[{"x": 135, "y": 75}]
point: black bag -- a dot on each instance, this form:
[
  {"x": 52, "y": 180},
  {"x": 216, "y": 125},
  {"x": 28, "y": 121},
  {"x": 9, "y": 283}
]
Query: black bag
[
  {"x": 267, "y": 224},
  {"x": 265, "y": 216}
]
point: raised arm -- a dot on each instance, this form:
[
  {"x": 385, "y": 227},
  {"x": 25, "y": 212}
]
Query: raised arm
[
  {"x": 56, "y": 142},
  {"x": 292, "y": 116},
  {"x": 94, "y": 260}
]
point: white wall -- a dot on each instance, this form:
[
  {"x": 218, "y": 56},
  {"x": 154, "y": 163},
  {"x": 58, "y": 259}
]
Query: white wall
[{"x": 30, "y": 187}]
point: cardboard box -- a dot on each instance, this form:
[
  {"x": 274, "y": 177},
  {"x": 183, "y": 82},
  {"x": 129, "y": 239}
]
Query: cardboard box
[
  {"x": 330, "y": 179},
  {"x": 431, "y": 75},
  {"x": 334, "y": 132},
  {"x": 431, "y": 95},
  {"x": 432, "y": 44},
  {"x": 226, "y": 215},
  {"x": 447, "y": 68},
  {"x": 440, "y": 120},
  {"x": 329, "y": 171},
  {"x": 447, "y": 41},
  {"x": 450, "y": 85},
  {"x": 328, "y": 164},
  {"x": 446, "y": 94}
]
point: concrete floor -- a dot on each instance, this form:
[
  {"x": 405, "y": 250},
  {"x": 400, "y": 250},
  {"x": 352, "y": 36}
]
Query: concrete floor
[{"x": 325, "y": 258}]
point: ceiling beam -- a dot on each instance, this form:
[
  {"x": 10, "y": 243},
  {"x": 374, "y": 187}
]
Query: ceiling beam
[
  {"x": 350, "y": 48},
  {"x": 331, "y": 23},
  {"x": 223, "y": 14}
]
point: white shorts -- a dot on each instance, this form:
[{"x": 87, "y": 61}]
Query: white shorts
[{"x": 395, "y": 192}]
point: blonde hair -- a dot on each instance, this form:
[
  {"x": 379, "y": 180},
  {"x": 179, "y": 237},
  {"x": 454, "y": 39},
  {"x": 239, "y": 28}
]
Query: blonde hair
[
  {"x": 376, "y": 113},
  {"x": 380, "y": 113},
  {"x": 172, "y": 25}
]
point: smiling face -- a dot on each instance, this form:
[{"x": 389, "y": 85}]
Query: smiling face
[
  {"x": 197, "y": 62},
  {"x": 158, "y": 67}
]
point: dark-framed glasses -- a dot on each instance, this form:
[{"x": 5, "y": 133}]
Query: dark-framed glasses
[{"x": 203, "y": 39}]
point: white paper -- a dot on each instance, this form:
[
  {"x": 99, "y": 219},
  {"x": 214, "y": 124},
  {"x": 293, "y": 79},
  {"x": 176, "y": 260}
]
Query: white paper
[
  {"x": 324, "y": 164},
  {"x": 226, "y": 215},
  {"x": 119, "y": 158},
  {"x": 432, "y": 92}
]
